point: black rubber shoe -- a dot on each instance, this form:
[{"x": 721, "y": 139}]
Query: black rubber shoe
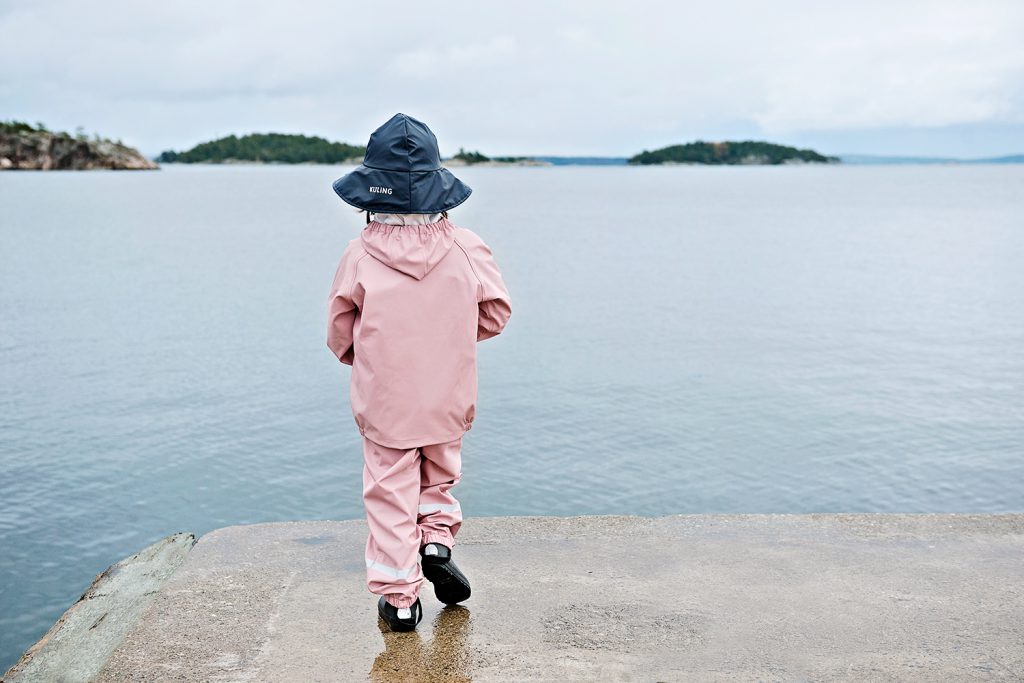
[
  {"x": 394, "y": 618},
  {"x": 450, "y": 585}
]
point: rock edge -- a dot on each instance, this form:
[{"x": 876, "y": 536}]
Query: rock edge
[{"x": 78, "y": 645}]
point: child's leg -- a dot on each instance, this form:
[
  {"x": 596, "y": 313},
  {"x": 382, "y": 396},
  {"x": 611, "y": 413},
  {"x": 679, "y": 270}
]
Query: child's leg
[
  {"x": 391, "y": 491},
  {"x": 440, "y": 515}
]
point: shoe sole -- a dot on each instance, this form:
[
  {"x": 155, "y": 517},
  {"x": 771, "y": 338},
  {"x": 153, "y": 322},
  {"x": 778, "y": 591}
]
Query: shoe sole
[
  {"x": 401, "y": 626},
  {"x": 450, "y": 585}
]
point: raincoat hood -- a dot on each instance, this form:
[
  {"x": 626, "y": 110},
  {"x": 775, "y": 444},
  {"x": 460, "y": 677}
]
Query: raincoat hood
[
  {"x": 410, "y": 249},
  {"x": 402, "y": 173}
]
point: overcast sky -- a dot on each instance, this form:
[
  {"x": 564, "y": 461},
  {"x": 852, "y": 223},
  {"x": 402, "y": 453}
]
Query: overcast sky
[{"x": 595, "y": 78}]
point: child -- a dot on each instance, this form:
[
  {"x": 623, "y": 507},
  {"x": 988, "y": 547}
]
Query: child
[{"x": 411, "y": 297}]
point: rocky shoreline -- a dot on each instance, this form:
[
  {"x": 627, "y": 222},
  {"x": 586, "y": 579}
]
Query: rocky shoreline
[{"x": 38, "y": 150}]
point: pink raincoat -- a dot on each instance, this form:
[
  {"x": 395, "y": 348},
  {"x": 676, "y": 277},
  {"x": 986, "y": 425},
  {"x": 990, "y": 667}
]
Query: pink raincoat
[{"x": 408, "y": 304}]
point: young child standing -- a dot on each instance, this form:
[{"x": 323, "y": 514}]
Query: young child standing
[{"x": 411, "y": 297}]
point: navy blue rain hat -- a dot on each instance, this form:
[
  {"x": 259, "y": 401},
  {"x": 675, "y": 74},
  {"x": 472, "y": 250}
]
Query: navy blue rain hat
[{"x": 402, "y": 173}]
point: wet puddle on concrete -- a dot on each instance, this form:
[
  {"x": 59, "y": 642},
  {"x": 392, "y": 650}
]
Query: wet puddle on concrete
[{"x": 445, "y": 656}]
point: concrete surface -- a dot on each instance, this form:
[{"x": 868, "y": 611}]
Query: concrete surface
[
  {"x": 752, "y": 597},
  {"x": 76, "y": 647}
]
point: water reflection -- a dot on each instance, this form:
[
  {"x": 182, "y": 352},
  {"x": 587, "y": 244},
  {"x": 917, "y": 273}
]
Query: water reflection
[{"x": 445, "y": 658}]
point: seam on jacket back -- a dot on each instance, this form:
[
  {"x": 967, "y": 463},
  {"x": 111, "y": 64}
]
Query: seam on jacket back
[
  {"x": 355, "y": 271},
  {"x": 479, "y": 282}
]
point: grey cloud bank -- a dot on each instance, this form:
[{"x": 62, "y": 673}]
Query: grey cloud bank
[{"x": 943, "y": 78}]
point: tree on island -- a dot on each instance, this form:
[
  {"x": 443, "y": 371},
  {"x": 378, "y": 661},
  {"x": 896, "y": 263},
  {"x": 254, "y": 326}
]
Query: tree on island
[
  {"x": 267, "y": 147},
  {"x": 13, "y": 127},
  {"x": 478, "y": 158},
  {"x": 744, "y": 152},
  {"x": 471, "y": 157}
]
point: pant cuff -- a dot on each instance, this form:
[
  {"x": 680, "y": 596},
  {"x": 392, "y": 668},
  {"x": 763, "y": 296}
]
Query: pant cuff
[
  {"x": 443, "y": 537},
  {"x": 398, "y": 600}
]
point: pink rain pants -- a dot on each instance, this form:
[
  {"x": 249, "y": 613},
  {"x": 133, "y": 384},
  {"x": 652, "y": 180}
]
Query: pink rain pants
[{"x": 408, "y": 504}]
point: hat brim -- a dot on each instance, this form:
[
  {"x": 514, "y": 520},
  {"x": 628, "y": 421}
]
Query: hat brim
[{"x": 382, "y": 191}]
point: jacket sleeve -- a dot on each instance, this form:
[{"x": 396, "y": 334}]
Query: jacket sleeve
[
  {"x": 342, "y": 309},
  {"x": 495, "y": 306}
]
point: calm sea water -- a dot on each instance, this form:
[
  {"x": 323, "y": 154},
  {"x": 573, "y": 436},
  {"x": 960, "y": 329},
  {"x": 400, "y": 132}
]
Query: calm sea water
[{"x": 683, "y": 340}]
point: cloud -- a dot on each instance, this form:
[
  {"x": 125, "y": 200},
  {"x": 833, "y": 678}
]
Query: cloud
[
  {"x": 942, "y": 67},
  {"x": 474, "y": 56},
  {"x": 557, "y": 77}
]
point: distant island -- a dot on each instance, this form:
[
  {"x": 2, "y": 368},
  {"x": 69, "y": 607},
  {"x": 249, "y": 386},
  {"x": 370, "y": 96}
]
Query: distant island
[
  {"x": 267, "y": 148},
  {"x": 746, "y": 152},
  {"x": 883, "y": 160},
  {"x": 583, "y": 161},
  {"x": 35, "y": 148},
  {"x": 464, "y": 158}
]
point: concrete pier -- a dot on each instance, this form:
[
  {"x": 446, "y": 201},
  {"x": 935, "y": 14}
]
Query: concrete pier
[{"x": 702, "y": 597}]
